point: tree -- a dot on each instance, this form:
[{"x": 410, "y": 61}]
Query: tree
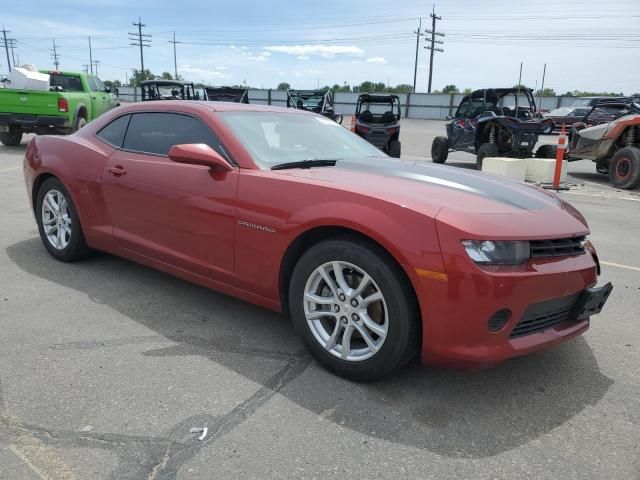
[
  {"x": 341, "y": 88},
  {"x": 139, "y": 76},
  {"x": 402, "y": 88},
  {"x": 167, "y": 76},
  {"x": 521, "y": 87},
  {"x": 547, "y": 92},
  {"x": 284, "y": 86},
  {"x": 467, "y": 91},
  {"x": 450, "y": 89}
]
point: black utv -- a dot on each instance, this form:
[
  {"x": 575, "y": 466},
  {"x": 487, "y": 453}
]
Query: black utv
[
  {"x": 495, "y": 122},
  {"x": 168, "y": 90},
  {"x": 227, "y": 94},
  {"x": 318, "y": 101},
  {"x": 378, "y": 121}
]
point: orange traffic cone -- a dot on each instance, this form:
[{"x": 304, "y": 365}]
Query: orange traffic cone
[{"x": 353, "y": 123}]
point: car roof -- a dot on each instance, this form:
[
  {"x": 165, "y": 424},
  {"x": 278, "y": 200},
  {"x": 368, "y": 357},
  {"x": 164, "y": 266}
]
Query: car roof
[{"x": 204, "y": 106}]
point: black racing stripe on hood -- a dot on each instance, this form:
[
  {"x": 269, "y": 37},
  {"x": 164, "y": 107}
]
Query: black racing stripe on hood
[{"x": 474, "y": 183}]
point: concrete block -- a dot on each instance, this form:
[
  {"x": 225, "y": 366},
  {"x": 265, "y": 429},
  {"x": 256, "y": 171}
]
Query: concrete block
[
  {"x": 541, "y": 170},
  {"x": 515, "y": 168}
]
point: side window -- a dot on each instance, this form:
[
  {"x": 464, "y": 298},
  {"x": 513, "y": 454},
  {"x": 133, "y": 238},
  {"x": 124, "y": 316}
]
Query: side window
[
  {"x": 113, "y": 133},
  {"x": 462, "y": 109},
  {"x": 158, "y": 132},
  {"x": 92, "y": 84},
  {"x": 99, "y": 84}
]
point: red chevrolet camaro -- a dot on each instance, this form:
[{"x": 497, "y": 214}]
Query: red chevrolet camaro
[{"x": 374, "y": 259}]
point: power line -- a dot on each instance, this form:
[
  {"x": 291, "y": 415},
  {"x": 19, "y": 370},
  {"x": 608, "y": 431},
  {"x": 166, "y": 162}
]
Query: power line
[
  {"x": 143, "y": 40},
  {"x": 433, "y": 47}
]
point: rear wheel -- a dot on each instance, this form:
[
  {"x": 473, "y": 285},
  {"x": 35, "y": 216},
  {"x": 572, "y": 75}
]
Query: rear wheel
[
  {"x": 80, "y": 122},
  {"x": 58, "y": 222},
  {"x": 486, "y": 150},
  {"x": 546, "y": 151},
  {"x": 354, "y": 308},
  {"x": 624, "y": 170},
  {"x": 11, "y": 138},
  {"x": 394, "y": 148},
  {"x": 440, "y": 149}
]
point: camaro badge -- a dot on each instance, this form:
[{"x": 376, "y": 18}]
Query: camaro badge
[{"x": 244, "y": 223}]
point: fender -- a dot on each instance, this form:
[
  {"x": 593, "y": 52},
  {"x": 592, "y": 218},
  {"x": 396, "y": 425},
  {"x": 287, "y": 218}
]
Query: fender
[{"x": 77, "y": 112}]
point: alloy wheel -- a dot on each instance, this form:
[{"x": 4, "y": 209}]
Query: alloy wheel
[{"x": 56, "y": 219}]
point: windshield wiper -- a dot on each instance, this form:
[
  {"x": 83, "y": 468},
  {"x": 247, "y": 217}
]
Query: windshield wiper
[{"x": 312, "y": 162}]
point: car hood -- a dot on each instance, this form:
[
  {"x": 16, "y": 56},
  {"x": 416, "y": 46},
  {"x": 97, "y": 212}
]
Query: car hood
[{"x": 445, "y": 191}]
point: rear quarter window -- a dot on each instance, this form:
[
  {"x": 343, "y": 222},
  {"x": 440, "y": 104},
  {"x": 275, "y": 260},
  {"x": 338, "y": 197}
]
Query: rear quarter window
[{"x": 113, "y": 132}]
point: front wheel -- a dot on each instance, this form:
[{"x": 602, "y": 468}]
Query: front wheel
[
  {"x": 58, "y": 222},
  {"x": 394, "y": 148},
  {"x": 354, "y": 308},
  {"x": 440, "y": 149},
  {"x": 546, "y": 151},
  {"x": 624, "y": 170},
  {"x": 11, "y": 138}
]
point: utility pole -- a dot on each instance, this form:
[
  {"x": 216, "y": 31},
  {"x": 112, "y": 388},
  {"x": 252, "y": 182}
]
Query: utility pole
[
  {"x": 90, "y": 56},
  {"x": 433, "y": 48},
  {"x": 12, "y": 46},
  {"x": 95, "y": 64},
  {"x": 175, "y": 61},
  {"x": 142, "y": 40},
  {"x": 415, "y": 67},
  {"x": 86, "y": 67},
  {"x": 6, "y": 46},
  {"x": 54, "y": 55}
]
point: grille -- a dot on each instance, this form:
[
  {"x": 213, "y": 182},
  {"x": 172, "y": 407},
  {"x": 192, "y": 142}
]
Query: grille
[
  {"x": 540, "y": 316},
  {"x": 558, "y": 247}
]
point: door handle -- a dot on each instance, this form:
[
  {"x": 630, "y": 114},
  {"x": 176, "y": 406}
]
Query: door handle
[{"x": 118, "y": 171}]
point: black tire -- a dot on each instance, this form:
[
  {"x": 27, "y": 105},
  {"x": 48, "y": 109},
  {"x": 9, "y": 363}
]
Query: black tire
[
  {"x": 403, "y": 325},
  {"x": 80, "y": 122},
  {"x": 394, "y": 148},
  {"x": 486, "y": 150},
  {"x": 624, "y": 170},
  {"x": 440, "y": 149},
  {"x": 76, "y": 248},
  {"x": 546, "y": 151},
  {"x": 602, "y": 166},
  {"x": 11, "y": 138}
]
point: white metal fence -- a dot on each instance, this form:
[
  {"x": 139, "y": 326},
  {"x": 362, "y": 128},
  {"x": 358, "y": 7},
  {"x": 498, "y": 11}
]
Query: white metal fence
[{"x": 426, "y": 106}]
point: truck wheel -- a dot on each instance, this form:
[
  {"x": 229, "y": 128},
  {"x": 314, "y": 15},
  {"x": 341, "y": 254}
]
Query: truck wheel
[
  {"x": 624, "y": 170},
  {"x": 546, "y": 151},
  {"x": 486, "y": 150},
  {"x": 11, "y": 138},
  {"x": 440, "y": 149},
  {"x": 394, "y": 148},
  {"x": 354, "y": 308},
  {"x": 80, "y": 122}
]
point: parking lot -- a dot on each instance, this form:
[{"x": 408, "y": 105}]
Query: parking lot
[{"x": 106, "y": 365}]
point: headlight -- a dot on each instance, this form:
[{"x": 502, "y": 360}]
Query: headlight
[{"x": 495, "y": 252}]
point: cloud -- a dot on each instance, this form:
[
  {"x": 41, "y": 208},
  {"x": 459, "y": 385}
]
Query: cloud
[
  {"x": 326, "y": 51},
  {"x": 257, "y": 58},
  {"x": 378, "y": 60},
  {"x": 303, "y": 57},
  {"x": 203, "y": 73},
  {"x": 297, "y": 74},
  {"x": 222, "y": 67}
]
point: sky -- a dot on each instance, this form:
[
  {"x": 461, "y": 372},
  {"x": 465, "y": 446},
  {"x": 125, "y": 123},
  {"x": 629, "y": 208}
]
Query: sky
[{"x": 588, "y": 45}]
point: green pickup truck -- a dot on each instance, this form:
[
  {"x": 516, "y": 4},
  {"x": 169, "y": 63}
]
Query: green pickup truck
[{"x": 73, "y": 100}]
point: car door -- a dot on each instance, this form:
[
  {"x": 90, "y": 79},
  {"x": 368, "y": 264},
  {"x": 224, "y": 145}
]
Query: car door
[
  {"x": 181, "y": 215},
  {"x": 95, "y": 97}
]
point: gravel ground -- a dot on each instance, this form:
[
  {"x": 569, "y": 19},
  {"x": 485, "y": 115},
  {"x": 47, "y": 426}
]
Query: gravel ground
[{"x": 105, "y": 365}]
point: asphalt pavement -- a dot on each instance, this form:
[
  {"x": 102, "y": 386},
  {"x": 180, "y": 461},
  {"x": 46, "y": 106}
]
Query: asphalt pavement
[{"x": 106, "y": 365}]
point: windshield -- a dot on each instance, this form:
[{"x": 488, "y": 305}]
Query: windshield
[{"x": 275, "y": 138}]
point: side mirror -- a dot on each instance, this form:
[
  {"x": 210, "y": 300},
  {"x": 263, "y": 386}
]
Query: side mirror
[{"x": 199, "y": 154}]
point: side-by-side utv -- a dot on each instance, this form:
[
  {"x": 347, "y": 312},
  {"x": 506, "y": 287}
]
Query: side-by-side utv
[
  {"x": 378, "y": 121},
  {"x": 227, "y": 94},
  {"x": 318, "y": 101},
  {"x": 495, "y": 122},
  {"x": 168, "y": 90}
]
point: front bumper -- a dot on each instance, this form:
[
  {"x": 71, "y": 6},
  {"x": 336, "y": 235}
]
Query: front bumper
[{"x": 456, "y": 305}]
